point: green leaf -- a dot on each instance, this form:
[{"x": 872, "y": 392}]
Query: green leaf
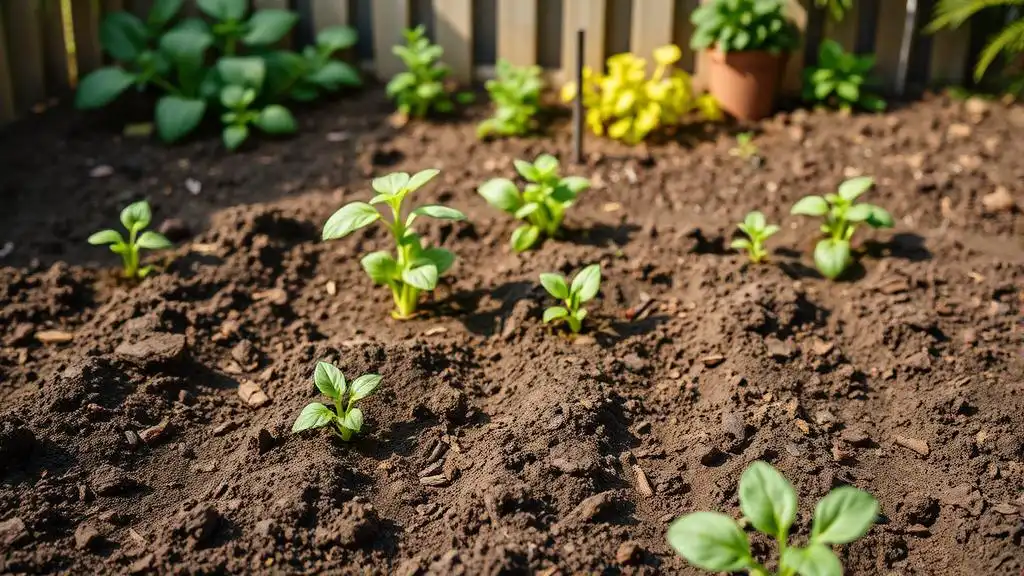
[
  {"x": 380, "y": 267},
  {"x": 872, "y": 103},
  {"x": 423, "y": 276},
  {"x": 136, "y": 216},
  {"x": 348, "y": 219},
  {"x": 101, "y": 87},
  {"x": 823, "y": 89},
  {"x": 224, "y": 9},
  {"x": 586, "y": 284},
  {"x": 365, "y": 385},
  {"x": 576, "y": 184},
  {"x": 276, "y": 119},
  {"x": 524, "y": 237},
  {"x": 268, "y": 26},
  {"x": 815, "y": 560},
  {"x": 123, "y": 36},
  {"x": 105, "y": 237},
  {"x": 400, "y": 83},
  {"x": 419, "y": 179},
  {"x": 545, "y": 165},
  {"x": 162, "y": 12},
  {"x": 233, "y": 96},
  {"x": 555, "y": 313},
  {"x": 502, "y": 194},
  {"x": 858, "y": 212},
  {"x": 244, "y": 71},
  {"x": 555, "y": 285},
  {"x": 810, "y": 206},
  {"x": 848, "y": 91},
  {"x": 314, "y": 415},
  {"x": 526, "y": 209},
  {"x": 442, "y": 259},
  {"x": 185, "y": 45},
  {"x": 844, "y": 515},
  {"x": 336, "y": 38},
  {"x": 854, "y": 187},
  {"x": 527, "y": 170},
  {"x": 177, "y": 116},
  {"x": 740, "y": 244},
  {"x": 234, "y": 135},
  {"x": 767, "y": 499},
  {"x": 353, "y": 420},
  {"x": 439, "y": 212},
  {"x": 153, "y": 241},
  {"x": 329, "y": 380},
  {"x": 333, "y": 75},
  {"x": 711, "y": 541},
  {"x": 880, "y": 218},
  {"x": 755, "y": 220},
  {"x": 832, "y": 257},
  {"x": 392, "y": 183}
]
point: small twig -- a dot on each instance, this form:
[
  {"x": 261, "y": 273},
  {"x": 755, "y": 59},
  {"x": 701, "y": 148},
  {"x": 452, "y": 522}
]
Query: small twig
[{"x": 643, "y": 486}]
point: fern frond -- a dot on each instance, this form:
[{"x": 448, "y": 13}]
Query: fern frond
[
  {"x": 953, "y": 13},
  {"x": 1009, "y": 40}
]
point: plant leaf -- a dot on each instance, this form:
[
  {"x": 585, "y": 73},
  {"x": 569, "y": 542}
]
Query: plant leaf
[
  {"x": 554, "y": 313},
  {"x": 555, "y": 284},
  {"x": 348, "y": 219},
  {"x": 740, "y": 244},
  {"x": 329, "y": 380},
  {"x": 105, "y": 237},
  {"x": 526, "y": 210},
  {"x": 123, "y": 36},
  {"x": 854, "y": 187},
  {"x": 526, "y": 170},
  {"x": 391, "y": 184},
  {"x": 755, "y": 220},
  {"x": 587, "y": 283},
  {"x": 880, "y": 218},
  {"x": 442, "y": 259},
  {"x": 380, "y": 267},
  {"x": 365, "y": 385},
  {"x": 524, "y": 237},
  {"x": 767, "y": 499},
  {"x": 439, "y": 212},
  {"x": 244, "y": 71},
  {"x": 314, "y": 415},
  {"x": 832, "y": 257},
  {"x": 353, "y": 420},
  {"x": 177, "y": 116},
  {"x": 333, "y": 75},
  {"x": 234, "y": 135},
  {"x": 136, "y": 215},
  {"x": 268, "y": 26},
  {"x": 102, "y": 87},
  {"x": 843, "y": 515},
  {"x": 810, "y": 206},
  {"x": 336, "y": 38},
  {"x": 276, "y": 119},
  {"x": 858, "y": 212},
  {"x": 711, "y": 541},
  {"x": 545, "y": 165},
  {"x": 224, "y": 9},
  {"x": 153, "y": 241},
  {"x": 162, "y": 12},
  {"x": 815, "y": 560},
  {"x": 423, "y": 276},
  {"x": 502, "y": 194},
  {"x": 420, "y": 178}
]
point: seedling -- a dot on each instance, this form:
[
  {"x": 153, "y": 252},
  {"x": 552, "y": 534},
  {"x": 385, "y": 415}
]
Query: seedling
[
  {"x": 346, "y": 418},
  {"x": 243, "y": 78},
  {"x": 745, "y": 148},
  {"x": 583, "y": 289},
  {"x": 135, "y": 218},
  {"x": 757, "y": 229},
  {"x": 420, "y": 89},
  {"x": 305, "y": 77},
  {"x": 417, "y": 268},
  {"x": 714, "y": 542},
  {"x": 542, "y": 204},
  {"x": 515, "y": 91},
  {"x": 833, "y": 255},
  {"x": 841, "y": 80}
]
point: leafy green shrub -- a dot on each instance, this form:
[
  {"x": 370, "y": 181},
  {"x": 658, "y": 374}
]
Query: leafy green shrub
[
  {"x": 833, "y": 255},
  {"x": 416, "y": 268},
  {"x": 1009, "y": 41},
  {"x": 305, "y": 77},
  {"x": 837, "y": 8},
  {"x": 347, "y": 419},
  {"x": 542, "y": 204},
  {"x": 841, "y": 80},
  {"x": 583, "y": 289},
  {"x": 515, "y": 91},
  {"x": 420, "y": 89},
  {"x": 243, "y": 79},
  {"x": 135, "y": 217},
  {"x": 715, "y": 542},
  {"x": 740, "y": 25},
  {"x": 757, "y": 230}
]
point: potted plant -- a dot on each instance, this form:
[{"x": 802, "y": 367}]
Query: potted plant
[{"x": 747, "y": 43}]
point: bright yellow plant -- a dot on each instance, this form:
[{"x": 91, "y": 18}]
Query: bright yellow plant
[{"x": 627, "y": 105}]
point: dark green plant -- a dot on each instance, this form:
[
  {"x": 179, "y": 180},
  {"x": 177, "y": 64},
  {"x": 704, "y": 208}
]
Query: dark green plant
[
  {"x": 243, "y": 79},
  {"x": 715, "y": 542},
  {"x": 347, "y": 419},
  {"x": 739, "y": 25},
  {"x": 420, "y": 89},
  {"x": 1009, "y": 41},
  {"x": 515, "y": 92},
  {"x": 542, "y": 204},
  {"x": 305, "y": 77},
  {"x": 757, "y": 229},
  {"x": 837, "y": 8},
  {"x": 233, "y": 26},
  {"x": 416, "y": 269},
  {"x": 583, "y": 289},
  {"x": 833, "y": 254},
  {"x": 841, "y": 80},
  {"x": 135, "y": 217}
]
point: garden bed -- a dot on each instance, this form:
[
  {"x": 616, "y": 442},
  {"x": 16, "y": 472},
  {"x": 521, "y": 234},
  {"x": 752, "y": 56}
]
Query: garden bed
[{"x": 130, "y": 449}]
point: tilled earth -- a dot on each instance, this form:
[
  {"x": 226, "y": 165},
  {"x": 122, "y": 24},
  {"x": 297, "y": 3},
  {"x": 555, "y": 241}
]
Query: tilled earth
[{"x": 146, "y": 428}]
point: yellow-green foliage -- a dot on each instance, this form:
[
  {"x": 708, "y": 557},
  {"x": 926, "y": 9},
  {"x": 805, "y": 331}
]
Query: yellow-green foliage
[{"x": 627, "y": 105}]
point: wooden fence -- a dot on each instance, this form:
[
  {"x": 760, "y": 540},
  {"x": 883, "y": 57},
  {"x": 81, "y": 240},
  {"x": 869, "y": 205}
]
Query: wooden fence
[{"x": 46, "y": 44}]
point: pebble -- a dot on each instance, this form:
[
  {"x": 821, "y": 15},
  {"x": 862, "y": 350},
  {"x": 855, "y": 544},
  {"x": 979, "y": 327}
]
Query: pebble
[
  {"x": 959, "y": 131},
  {"x": 919, "y": 446},
  {"x": 155, "y": 432},
  {"x": 999, "y": 200},
  {"x": 54, "y": 336},
  {"x": 778, "y": 349},
  {"x": 87, "y": 536},
  {"x": 855, "y": 437},
  {"x": 101, "y": 171},
  {"x": 629, "y": 552},
  {"x": 224, "y": 428},
  {"x": 13, "y": 532},
  {"x": 158, "y": 349},
  {"x": 251, "y": 393},
  {"x": 193, "y": 186},
  {"x": 713, "y": 360}
]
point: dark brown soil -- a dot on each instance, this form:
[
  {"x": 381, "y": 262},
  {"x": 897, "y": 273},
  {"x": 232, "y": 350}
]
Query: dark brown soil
[{"x": 129, "y": 449}]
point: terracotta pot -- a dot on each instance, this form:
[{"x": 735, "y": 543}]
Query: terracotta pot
[{"x": 745, "y": 83}]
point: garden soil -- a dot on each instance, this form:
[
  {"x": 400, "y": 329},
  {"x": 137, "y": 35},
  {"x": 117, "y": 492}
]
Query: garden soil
[{"x": 145, "y": 428}]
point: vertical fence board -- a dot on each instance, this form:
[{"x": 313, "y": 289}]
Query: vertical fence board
[
  {"x": 948, "y": 63},
  {"x": 652, "y": 27},
  {"x": 6, "y": 88},
  {"x": 390, "y": 18},
  {"x": 682, "y": 30},
  {"x": 453, "y": 25},
  {"x": 327, "y": 13},
  {"x": 517, "y": 31},
  {"x": 589, "y": 15},
  {"x": 56, "y": 54},
  {"x": 85, "y": 15},
  {"x": 845, "y": 32},
  {"x": 889, "y": 37},
  {"x": 25, "y": 41},
  {"x": 797, "y": 11}
]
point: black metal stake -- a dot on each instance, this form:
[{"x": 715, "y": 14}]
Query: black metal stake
[{"x": 577, "y": 108}]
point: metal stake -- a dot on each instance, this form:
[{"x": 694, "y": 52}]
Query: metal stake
[{"x": 577, "y": 108}]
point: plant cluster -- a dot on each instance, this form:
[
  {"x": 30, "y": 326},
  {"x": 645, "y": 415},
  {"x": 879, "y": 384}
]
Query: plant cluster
[
  {"x": 627, "y": 105},
  {"x": 542, "y": 203},
  {"x": 755, "y": 226},
  {"x": 135, "y": 217},
  {"x": 841, "y": 80},
  {"x": 420, "y": 90},
  {"x": 346, "y": 418},
  {"x": 742, "y": 25},
  {"x": 715, "y": 542},
  {"x": 515, "y": 92},
  {"x": 584, "y": 288},
  {"x": 414, "y": 268},
  {"x": 225, "y": 63},
  {"x": 837, "y": 8},
  {"x": 745, "y": 148},
  {"x": 1008, "y": 42}
]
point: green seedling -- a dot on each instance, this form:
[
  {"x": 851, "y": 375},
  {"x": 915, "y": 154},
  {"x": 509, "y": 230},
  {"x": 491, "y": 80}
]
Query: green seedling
[
  {"x": 841, "y": 80},
  {"x": 346, "y": 418},
  {"x": 305, "y": 77},
  {"x": 833, "y": 255},
  {"x": 515, "y": 91},
  {"x": 583, "y": 289},
  {"x": 420, "y": 89},
  {"x": 135, "y": 218},
  {"x": 757, "y": 229},
  {"x": 715, "y": 542},
  {"x": 243, "y": 80},
  {"x": 745, "y": 148},
  {"x": 542, "y": 204},
  {"x": 416, "y": 268}
]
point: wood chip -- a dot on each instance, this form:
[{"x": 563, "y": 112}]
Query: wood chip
[
  {"x": 438, "y": 480},
  {"x": 611, "y": 207},
  {"x": 54, "y": 336},
  {"x": 251, "y": 393},
  {"x": 201, "y": 248},
  {"x": 435, "y": 331},
  {"x": 155, "y": 432},
  {"x": 919, "y": 446},
  {"x": 274, "y": 296},
  {"x": 713, "y": 360}
]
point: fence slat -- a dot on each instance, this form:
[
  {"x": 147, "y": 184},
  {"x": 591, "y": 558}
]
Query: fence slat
[
  {"x": 797, "y": 11},
  {"x": 845, "y": 32},
  {"x": 888, "y": 39},
  {"x": 948, "y": 63},
  {"x": 590, "y": 15},
  {"x": 682, "y": 30},
  {"x": 651, "y": 27},
  {"x": 56, "y": 54},
  {"x": 453, "y": 27},
  {"x": 85, "y": 15},
  {"x": 390, "y": 18},
  {"x": 6, "y": 89},
  {"x": 327, "y": 13},
  {"x": 517, "y": 31},
  {"x": 25, "y": 42}
]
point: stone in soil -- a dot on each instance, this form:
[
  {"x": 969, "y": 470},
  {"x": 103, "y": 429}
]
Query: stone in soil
[{"x": 156, "y": 350}]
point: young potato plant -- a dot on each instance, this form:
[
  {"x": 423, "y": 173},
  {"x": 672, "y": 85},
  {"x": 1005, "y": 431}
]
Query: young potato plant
[
  {"x": 627, "y": 105},
  {"x": 583, "y": 289},
  {"x": 135, "y": 217},
  {"x": 841, "y": 80},
  {"x": 833, "y": 255},
  {"x": 542, "y": 204},
  {"x": 416, "y": 269},
  {"x": 243, "y": 79},
  {"x": 232, "y": 24},
  {"x": 420, "y": 89},
  {"x": 757, "y": 230},
  {"x": 346, "y": 419},
  {"x": 715, "y": 542},
  {"x": 515, "y": 92}
]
